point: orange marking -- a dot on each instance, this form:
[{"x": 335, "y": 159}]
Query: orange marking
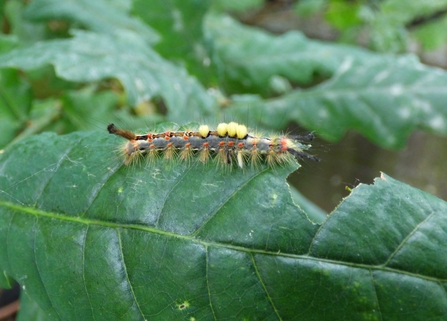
[{"x": 283, "y": 144}]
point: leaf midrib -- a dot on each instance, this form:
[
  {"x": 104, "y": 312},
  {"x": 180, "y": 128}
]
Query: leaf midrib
[{"x": 62, "y": 217}]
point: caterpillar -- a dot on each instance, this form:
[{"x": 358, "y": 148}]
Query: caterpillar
[{"x": 229, "y": 143}]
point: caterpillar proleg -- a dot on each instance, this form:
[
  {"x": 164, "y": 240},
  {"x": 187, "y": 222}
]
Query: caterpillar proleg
[{"x": 228, "y": 144}]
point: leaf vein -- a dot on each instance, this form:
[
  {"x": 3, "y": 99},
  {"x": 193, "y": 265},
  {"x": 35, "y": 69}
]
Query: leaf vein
[{"x": 402, "y": 243}]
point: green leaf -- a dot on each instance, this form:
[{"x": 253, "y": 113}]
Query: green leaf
[
  {"x": 342, "y": 14},
  {"x": 91, "y": 57},
  {"x": 385, "y": 100},
  {"x": 30, "y": 310},
  {"x": 109, "y": 209},
  {"x": 306, "y": 8},
  {"x": 392, "y": 9},
  {"x": 236, "y": 5},
  {"x": 22, "y": 28},
  {"x": 432, "y": 35},
  {"x": 7, "y": 43},
  {"x": 250, "y": 59},
  {"x": 88, "y": 238},
  {"x": 179, "y": 23},
  {"x": 99, "y": 16},
  {"x": 388, "y": 30},
  {"x": 15, "y": 103}
]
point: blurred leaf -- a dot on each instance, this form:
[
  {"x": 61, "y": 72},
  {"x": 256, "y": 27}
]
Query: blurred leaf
[
  {"x": 42, "y": 115},
  {"x": 236, "y": 5},
  {"x": 144, "y": 74},
  {"x": 85, "y": 108},
  {"x": 25, "y": 30},
  {"x": 343, "y": 14},
  {"x": 432, "y": 35},
  {"x": 385, "y": 100},
  {"x": 88, "y": 109},
  {"x": 122, "y": 5},
  {"x": 7, "y": 43},
  {"x": 99, "y": 15},
  {"x": 309, "y": 7},
  {"x": 179, "y": 22},
  {"x": 393, "y": 9},
  {"x": 249, "y": 59},
  {"x": 89, "y": 238},
  {"x": 15, "y": 103},
  {"x": 30, "y": 310},
  {"x": 388, "y": 32}
]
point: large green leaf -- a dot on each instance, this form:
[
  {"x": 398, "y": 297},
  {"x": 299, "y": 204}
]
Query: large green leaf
[
  {"x": 385, "y": 100},
  {"x": 100, "y": 16},
  {"x": 91, "y": 57},
  {"x": 88, "y": 238},
  {"x": 251, "y": 59}
]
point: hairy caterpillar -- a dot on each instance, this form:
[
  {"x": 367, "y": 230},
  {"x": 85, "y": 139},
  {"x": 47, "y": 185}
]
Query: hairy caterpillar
[{"x": 229, "y": 143}]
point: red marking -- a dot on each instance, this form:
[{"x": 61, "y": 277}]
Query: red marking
[
  {"x": 230, "y": 144},
  {"x": 222, "y": 144},
  {"x": 169, "y": 145},
  {"x": 206, "y": 144},
  {"x": 152, "y": 146},
  {"x": 240, "y": 145},
  {"x": 167, "y": 138},
  {"x": 185, "y": 136},
  {"x": 284, "y": 144},
  {"x": 188, "y": 145}
]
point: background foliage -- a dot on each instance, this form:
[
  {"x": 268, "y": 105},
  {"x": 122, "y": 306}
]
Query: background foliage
[{"x": 87, "y": 238}]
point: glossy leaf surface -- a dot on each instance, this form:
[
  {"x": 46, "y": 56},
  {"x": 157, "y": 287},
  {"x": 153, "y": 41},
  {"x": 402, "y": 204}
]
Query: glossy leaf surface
[{"x": 89, "y": 238}]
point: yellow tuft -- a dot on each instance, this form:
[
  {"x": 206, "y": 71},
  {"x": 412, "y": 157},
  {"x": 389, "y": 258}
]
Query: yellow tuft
[
  {"x": 204, "y": 155},
  {"x": 204, "y": 131},
  {"x": 255, "y": 158},
  {"x": 241, "y": 131},
  {"x": 170, "y": 153},
  {"x": 222, "y": 129},
  {"x": 232, "y": 129},
  {"x": 186, "y": 154}
]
